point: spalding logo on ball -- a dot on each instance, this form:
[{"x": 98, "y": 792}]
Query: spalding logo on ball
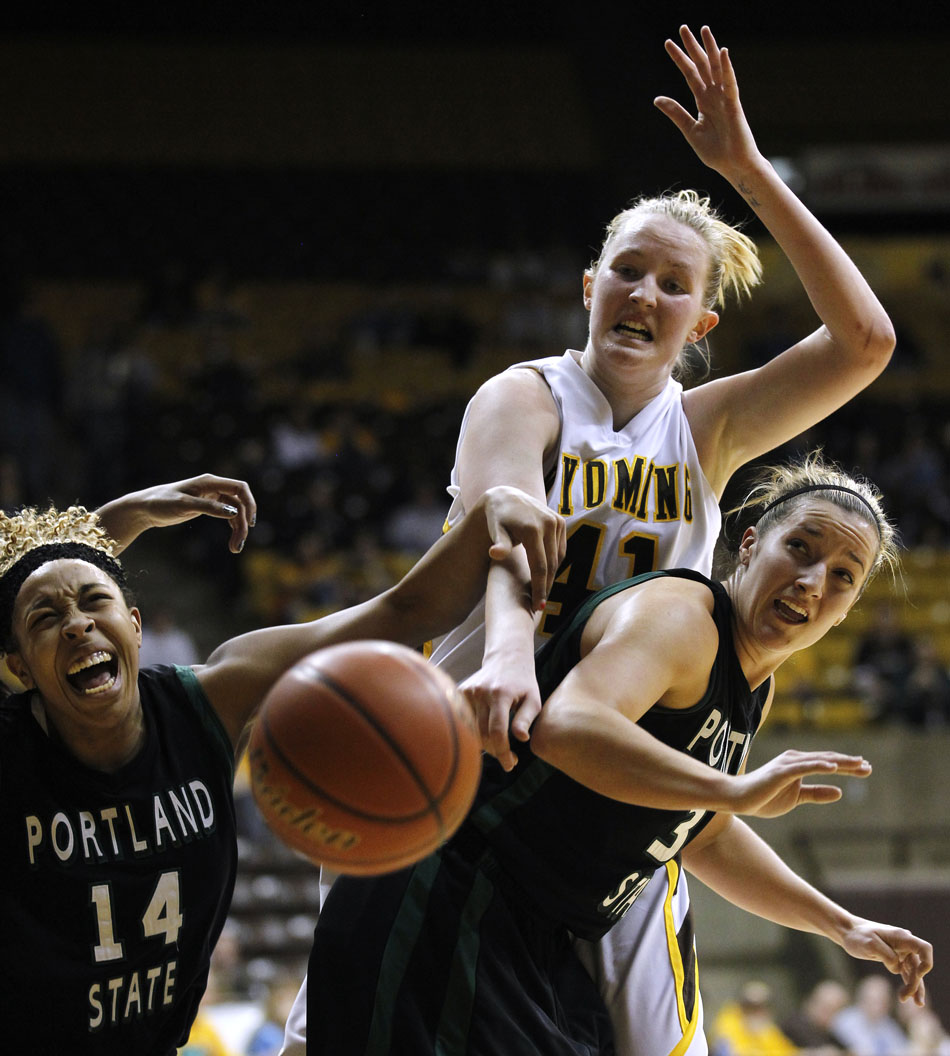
[{"x": 364, "y": 757}]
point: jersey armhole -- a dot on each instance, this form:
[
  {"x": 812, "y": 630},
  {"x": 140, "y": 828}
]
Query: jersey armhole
[{"x": 206, "y": 714}]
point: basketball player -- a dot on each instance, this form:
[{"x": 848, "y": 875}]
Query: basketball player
[
  {"x": 637, "y": 466},
  {"x": 637, "y": 760},
  {"x": 116, "y": 811}
]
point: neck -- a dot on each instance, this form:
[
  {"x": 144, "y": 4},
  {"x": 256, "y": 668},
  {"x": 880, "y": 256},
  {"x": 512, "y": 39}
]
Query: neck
[
  {"x": 628, "y": 393},
  {"x": 106, "y": 750},
  {"x": 757, "y": 662}
]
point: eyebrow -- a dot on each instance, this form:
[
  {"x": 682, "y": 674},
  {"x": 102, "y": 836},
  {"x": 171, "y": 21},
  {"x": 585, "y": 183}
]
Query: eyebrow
[
  {"x": 679, "y": 265},
  {"x": 48, "y": 599},
  {"x": 820, "y": 533}
]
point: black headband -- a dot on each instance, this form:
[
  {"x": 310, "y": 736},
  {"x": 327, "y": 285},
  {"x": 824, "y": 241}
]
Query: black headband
[
  {"x": 17, "y": 574},
  {"x": 823, "y": 487}
]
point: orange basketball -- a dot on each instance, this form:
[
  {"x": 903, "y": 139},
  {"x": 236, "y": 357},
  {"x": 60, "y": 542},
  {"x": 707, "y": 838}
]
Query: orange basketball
[{"x": 364, "y": 757}]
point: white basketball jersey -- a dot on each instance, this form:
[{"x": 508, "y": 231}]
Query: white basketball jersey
[{"x": 634, "y": 500}]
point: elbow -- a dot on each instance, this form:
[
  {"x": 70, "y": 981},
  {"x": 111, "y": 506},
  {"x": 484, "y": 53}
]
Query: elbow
[
  {"x": 552, "y": 740},
  {"x": 876, "y": 344},
  {"x": 866, "y": 349}
]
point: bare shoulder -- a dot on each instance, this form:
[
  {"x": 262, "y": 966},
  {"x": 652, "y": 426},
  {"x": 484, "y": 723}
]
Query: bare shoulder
[
  {"x": 664, "y": 630},
  {"x": 666, "y": 613},
  {"x": 521, "y": 388},
  {"x": 511, "y": 426}
]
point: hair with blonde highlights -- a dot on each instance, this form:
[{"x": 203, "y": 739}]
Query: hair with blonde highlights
[
  {"x": 734, "y": 264},
  {"x": 30, "y": 528},
  {"x": 30, "y": 538}
]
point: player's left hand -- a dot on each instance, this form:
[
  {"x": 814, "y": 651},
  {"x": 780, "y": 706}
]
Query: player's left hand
[
  {"x": 899, "y": 950},
  {"x": 719, "y": 133},
  {"x": 778, "y": 786},
  {"x": 167, "y": 504},
  {"x": 505, "y": 696}
]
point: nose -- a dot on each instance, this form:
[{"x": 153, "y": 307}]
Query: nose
[
  {"x": 76, "y": 624},
  {"x": 811, "y": 580},
  {"x": 644, "y": 290}
]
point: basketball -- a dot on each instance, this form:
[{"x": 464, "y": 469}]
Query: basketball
[{"x": 364, "y": 757}]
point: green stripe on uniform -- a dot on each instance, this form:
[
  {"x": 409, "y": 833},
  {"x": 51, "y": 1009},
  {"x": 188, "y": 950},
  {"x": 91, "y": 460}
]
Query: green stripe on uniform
[
  {"x": 493, "y": 812},
  {"x": 452, "y": 1035},
  {"x": 399, "y": 948}
]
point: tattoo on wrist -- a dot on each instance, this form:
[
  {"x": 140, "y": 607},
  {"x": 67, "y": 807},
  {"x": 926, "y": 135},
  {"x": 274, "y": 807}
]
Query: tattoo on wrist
[{"x": 746, "y": 191}]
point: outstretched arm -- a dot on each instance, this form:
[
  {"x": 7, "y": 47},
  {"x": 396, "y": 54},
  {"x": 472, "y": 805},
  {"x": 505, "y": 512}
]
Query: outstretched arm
[
  {"x": 207, "y": 495},
  {"x": 510, "y": 425},
  {"x": 735, "y": 419},
  {"x": 634, "y": 660},
  {"x": 737, "y": 864},
  {"x": 435, "y": 595}
]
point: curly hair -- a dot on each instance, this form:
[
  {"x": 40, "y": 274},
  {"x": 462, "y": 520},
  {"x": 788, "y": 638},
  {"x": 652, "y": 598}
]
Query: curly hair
[
  {"x": 782, "y": 487},
  {"x": 30, "y": 528},
  {"x": 30, "y": 538}
]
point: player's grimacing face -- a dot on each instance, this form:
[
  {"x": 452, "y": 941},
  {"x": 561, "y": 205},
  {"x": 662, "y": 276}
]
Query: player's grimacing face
[
  {"x": 802, "y": 575},
  {"x": 646, "y": 298},
  {"x": 77, "y": 640}
]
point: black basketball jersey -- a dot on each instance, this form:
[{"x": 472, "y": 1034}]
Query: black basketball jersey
[
  {"x": 114, "y": 887},
  {"x": 583, "y": 858}
]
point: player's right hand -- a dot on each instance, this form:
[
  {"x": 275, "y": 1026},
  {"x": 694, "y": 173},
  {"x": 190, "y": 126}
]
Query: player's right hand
[{"x": 514, "y": 517}]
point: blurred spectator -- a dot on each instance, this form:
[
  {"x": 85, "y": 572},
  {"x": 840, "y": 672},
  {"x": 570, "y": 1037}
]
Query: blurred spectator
[
  {"x": 883, "y": 661},
  {"x": 416, "y": 524},
  {"x": 226, "y": 1016},
  {"x": 926, "y": 1034},
  {"x": 809, "y": 1027},
  {"x": 269, "y": 1036},
  {"x": 31, "y": 396},
  {"x": 164, "y": 641},
  {"x": 295, "y": 440},
  {"x": 915, "y": 481},
  {"x": 204, "y": 1039},
  {"x": 747, "y": 1027},
  {"x": 926, "y": 698},
  {"x": 867, "y": 1026}
]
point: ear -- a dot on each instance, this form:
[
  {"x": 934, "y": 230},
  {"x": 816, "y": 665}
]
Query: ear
[
  {"x": 19, "y": 670},
  {"x": 588, "y": 288},
  {"x": 747, "y": 544},
  {"x": 137, "y": 623},
  {"x": 705, "y": 323}
]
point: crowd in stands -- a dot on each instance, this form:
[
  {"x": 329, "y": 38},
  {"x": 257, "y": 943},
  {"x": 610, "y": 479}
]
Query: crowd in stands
[{"x": 830, "y": 1020}]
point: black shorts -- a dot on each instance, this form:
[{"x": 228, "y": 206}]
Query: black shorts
[{"x": 447, "y": 958}]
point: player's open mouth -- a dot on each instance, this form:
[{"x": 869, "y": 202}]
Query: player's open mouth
[
  {"x": 792, "y": 612},
  {"x": 637, "y": 330},
  {"x": 95, "y": 673}
]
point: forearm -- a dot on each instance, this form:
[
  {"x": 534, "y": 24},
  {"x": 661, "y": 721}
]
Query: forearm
[
  {"x": 124, "y": 519},
  {"x": 606, "y": 752},
  {"x": 509, "y": 618},
  {"x": 442, "y": 587},
  {"x": 738, "y": 865},
  {"x": 847, "y": 306},
  {"x": 734, "y": 862}
]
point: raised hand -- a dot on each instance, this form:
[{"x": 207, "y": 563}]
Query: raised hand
[
  {"x": 167, "y": 504},
  {"x": 719, "y": 133},
  {"x": 779, "y": 786}
]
